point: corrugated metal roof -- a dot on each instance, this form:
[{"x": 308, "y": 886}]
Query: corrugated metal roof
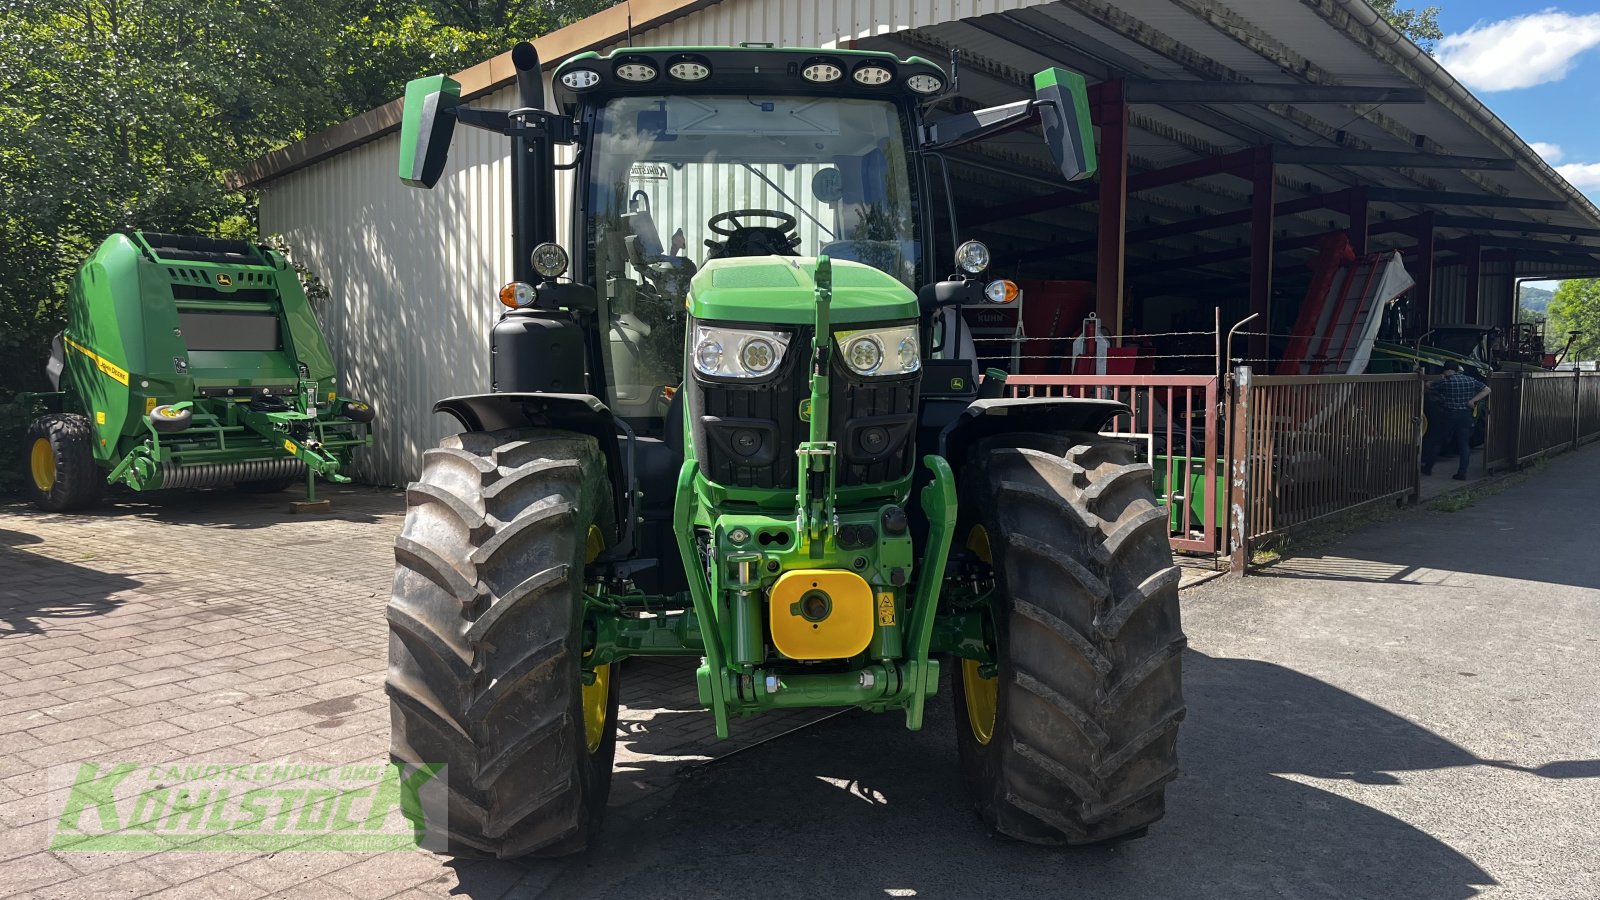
[{"x": 1259, "y": 41}]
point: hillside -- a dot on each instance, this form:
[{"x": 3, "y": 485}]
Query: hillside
[{"x": 1536, "y": 301}]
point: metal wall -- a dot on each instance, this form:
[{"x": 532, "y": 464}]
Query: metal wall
[
  {"x": 413, "y": 273},
  {"x": 1495, "y": 287}
]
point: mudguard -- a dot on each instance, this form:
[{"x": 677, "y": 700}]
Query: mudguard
[
  {"x": 985, "y": 418},
  {"x": 583, "y": 413}
]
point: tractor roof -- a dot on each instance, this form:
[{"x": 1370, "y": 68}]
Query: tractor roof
[{"x": 747, "y": 68}]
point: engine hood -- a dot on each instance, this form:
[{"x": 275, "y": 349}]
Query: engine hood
[{"x": 782, "y": 290}]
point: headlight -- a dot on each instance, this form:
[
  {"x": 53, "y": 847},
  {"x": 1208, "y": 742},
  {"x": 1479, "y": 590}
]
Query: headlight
[
  {"x": 881, "y": 351},
  {"x": 549, "y": 260},
  {"x": 580, "y": 79},
  {"x": 736, "y": 353},
  {"x": 972, "y": 257}
]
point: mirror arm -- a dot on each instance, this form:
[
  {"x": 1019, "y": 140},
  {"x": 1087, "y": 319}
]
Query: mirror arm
[
  {"x": 496, "y": 120},
  {"x": 979, "y": 125}
]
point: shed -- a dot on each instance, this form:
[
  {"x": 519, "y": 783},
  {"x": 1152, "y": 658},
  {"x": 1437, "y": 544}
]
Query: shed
[{"x": 1234, "y": 136}]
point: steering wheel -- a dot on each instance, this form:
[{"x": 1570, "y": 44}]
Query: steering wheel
[
  {"x": 752, "y": 240},
  {"x": 787, "y": 223}
]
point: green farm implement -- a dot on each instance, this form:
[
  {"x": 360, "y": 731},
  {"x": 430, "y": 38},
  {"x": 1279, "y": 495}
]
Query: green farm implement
[
  {"x": 736, "y": 424},
  {"x": 188, "y": 362}
]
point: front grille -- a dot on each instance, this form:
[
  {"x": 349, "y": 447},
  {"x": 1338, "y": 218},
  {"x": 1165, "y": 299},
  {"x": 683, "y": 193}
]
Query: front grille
[{"x": 746, "y": 432}]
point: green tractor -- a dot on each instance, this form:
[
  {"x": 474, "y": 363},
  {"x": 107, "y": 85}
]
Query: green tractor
[
  {"x": 188, "y": 362},
  {"x": 763, "y": 443}
]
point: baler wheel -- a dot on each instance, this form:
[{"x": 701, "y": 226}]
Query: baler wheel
[
  {"x": 62, "y": 474},
  {"x": 1072, "y": 737},
  {"x": 485, "y": 639}
]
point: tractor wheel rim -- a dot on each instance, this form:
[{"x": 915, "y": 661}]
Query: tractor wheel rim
[
  {"x": 982, "y": 694},
  {"x": 42, "y": 462},
  {"x": 596, "y": 698}
]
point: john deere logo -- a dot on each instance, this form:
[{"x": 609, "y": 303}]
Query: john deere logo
[
  {"x": 805, "y": 410},
  {"x": 958, "y": 384},
  {"x": 224, "y": 279}
]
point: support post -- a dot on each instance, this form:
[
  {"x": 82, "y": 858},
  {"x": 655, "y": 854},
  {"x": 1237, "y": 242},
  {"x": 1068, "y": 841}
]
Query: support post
[
  {"x": 1422, "y": 295},
  {"x": 1239, "y": 474},
  {"x": 1474, "y": 255},
  {"x": 1263, "y": 185},
  {"x": 1513, "y": 295},
  {"x": 1357, "y": 213},
  {"x": 1113, "y": 225}
]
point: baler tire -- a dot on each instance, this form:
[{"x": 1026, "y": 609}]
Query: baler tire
[
  {"x": 166, "y": 420},
  {"x": 268, "y": 485},
  {"x": 1083, "y": 738},
  {"x": 485, "y": 639},
  {"x": 78, "y": 480},
  {"x": 356, "y": 411}
]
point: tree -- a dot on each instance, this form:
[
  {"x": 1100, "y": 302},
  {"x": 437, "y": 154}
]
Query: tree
[
  {"x": 1421, "y": 25},
  {"x": 1576, "y": 307},
  {"x": 130, "y": 113}
]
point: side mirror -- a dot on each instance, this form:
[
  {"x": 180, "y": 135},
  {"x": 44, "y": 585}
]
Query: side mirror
[
  {"x": 425, "y": 128},
  {"x": 939, "y": 294},
  {"x": 1062, "y": 100},
  {"x": 567, "y": 295}
]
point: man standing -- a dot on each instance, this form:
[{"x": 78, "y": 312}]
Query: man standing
[{"x": 1455, "y": 395}]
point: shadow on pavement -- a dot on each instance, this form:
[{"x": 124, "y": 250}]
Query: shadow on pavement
[
  {"x": 227, "y": 508},
  {"x": 861, "y": 807},
  {"x": 38, "y": 591}
]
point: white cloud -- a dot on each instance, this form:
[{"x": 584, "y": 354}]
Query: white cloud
[
  {"x": 1551, "y": 153},
  {"x": 1519, "y": 52},
  {"x": 1584, "y": 176}
]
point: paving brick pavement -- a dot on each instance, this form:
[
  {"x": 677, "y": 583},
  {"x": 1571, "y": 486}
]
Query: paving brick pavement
[{"x": 216, "y": 627}]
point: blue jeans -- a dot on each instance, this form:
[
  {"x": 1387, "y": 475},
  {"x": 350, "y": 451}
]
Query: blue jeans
[{"x": 1449, "y": 431}]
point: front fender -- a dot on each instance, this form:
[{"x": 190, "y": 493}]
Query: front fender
[
  {"x": 583, "y": 413},
  {"x": 986, "y": 418}
]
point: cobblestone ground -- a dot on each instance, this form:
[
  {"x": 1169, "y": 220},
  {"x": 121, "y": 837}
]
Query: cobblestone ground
[{"x": 212, "y": 626}]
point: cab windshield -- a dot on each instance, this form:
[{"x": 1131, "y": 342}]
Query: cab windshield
[{"x": 677, "y": 181}]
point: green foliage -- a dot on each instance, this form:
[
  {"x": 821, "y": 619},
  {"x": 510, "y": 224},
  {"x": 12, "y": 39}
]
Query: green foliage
[
  {"x": 130, "y": 113},
  {"x": 16, "y": 414},
  {"x": 1576, "y": 307},
  {"x": 1421, "y": 25}
]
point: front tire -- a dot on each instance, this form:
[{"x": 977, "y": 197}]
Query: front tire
[
  {"x": 60, "y": 468},
  {"x": 1072, "y": 737},
  {"x": 485, "y": 639}
]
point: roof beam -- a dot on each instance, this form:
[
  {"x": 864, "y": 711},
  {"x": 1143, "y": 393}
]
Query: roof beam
[
  {"x": 1208, "y": 68},
  {"x": 1509, "y": 243},
  {"x": 1335, "y": 200},
  {"x": 1167, "y": 92},
  {"x": 1345, "y": 156},
  {"x": 1247, "y": 34},
  {"x": 1459, "y": 198},
  {"x": 1484, "y": 223}
]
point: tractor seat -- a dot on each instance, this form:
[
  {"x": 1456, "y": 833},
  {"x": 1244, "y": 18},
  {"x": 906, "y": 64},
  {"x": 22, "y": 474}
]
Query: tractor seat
[{"x": 644, "y": 243}]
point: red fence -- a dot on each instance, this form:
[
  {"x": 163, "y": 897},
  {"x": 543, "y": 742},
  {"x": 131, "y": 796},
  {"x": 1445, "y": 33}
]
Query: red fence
[{"x": 1176, "y": 418}]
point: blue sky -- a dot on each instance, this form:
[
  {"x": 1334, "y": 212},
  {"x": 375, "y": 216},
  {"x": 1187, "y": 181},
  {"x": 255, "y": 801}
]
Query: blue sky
[{"x": 1538, "y": 67}]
